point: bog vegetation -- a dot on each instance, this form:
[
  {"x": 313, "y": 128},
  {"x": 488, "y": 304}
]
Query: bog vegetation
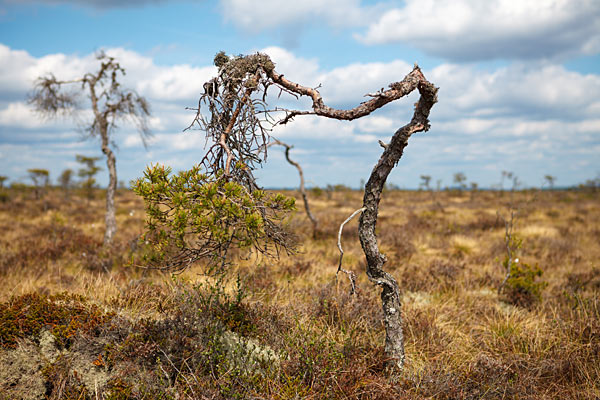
[
  {"x": 80, "y": 321},
  {"x": 214, "y": 288}
]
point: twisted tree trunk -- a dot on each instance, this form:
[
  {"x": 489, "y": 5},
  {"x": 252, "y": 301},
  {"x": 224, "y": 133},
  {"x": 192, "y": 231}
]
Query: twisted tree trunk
[{"x": 390, "y": 295}]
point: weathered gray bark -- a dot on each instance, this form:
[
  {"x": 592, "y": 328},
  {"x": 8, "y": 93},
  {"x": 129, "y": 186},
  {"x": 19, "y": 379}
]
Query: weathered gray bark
[
  {"x": 390, "y": 296},
  {"x": 109, "y": 218}
]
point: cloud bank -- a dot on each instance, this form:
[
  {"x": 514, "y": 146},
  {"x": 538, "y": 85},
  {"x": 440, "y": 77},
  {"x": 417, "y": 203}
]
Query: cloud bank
[
  {"x": 539, "y": 117},
  {"x": 471, "y": 30}
]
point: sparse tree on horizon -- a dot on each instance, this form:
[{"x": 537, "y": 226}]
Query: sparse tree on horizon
[
  {"x": 88, "y": 182},
  {"x": 40, "y": 178},
  {"x": 64, "y": 180},
  {"x": 460, "y": 179},
  {"x": 109, "y": 103},
  {"x": 550, "y": 180},
  {"x": 425, "y": 184}
]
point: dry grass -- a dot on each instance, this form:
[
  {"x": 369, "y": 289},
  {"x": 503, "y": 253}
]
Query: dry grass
[{"x": 462, "y": 339}]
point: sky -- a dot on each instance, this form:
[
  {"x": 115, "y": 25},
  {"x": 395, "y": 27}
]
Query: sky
[{"x": 519, "y": 83}]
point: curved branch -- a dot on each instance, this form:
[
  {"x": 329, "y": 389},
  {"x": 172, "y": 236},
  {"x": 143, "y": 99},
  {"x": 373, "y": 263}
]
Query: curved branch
[
  {"x": 312, "y": 218},
  {"x": 350, "y": 274},
  {"x": 396, "y": 90}
]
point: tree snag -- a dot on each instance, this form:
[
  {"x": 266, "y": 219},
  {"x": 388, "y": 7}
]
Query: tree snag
[
  {"x": 313, "y": 220},
  {"x": 390, "y": 296},
  {"x": 109, "y": 103}
]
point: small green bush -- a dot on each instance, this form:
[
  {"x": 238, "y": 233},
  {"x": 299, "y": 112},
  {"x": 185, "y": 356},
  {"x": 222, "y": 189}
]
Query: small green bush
[
  {"x": 521, "y": 287},
  {"x": 192, "y": 215}
]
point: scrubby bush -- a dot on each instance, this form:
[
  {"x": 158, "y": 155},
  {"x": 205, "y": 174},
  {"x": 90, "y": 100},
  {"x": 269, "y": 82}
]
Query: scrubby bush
[
  {"x": 521, "y": 287},
  {"x": 194, "y": 216}
]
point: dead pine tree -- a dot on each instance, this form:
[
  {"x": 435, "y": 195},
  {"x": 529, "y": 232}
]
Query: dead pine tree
[
  {"x": 235, "y": 117},
  {"x": 109, "y": 102},
  {"x": 302, "y": 189},
  {"x": 392, "y": 152}
]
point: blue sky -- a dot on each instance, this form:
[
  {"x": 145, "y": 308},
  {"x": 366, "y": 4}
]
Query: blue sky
[{"x": 519, "y": 82}]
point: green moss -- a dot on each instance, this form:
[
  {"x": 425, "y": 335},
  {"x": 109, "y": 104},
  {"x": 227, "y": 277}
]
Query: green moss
[{"x": 64, "y": 314}]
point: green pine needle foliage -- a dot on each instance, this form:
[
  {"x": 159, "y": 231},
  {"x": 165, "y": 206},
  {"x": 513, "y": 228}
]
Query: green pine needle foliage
[{"x": 192, "y": 215}]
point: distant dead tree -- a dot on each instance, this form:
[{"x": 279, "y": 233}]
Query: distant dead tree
[
  {"x": 550, "y": 180},
  {"x": 109, "y": 102},
  {"x": 313, "y": 219},
  {"x": 236, "y": 119}
]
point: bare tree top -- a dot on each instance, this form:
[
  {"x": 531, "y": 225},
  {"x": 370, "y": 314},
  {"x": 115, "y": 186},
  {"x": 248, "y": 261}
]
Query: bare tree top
[{"x": 109, "y": 101}]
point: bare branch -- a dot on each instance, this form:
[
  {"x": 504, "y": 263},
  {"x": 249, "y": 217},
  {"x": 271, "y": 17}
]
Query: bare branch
[
  {"x": 312, "y": 218},
  {"x": 396, "y": 91},
  {"x": 351, "y": 275}
]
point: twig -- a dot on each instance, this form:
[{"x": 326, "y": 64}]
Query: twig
[
  {"x": 287, "y": 147},
  {"x": 508, "y": 239},
  {"x": 179, "y": 372},
  {"x": 351, "y": 275}
]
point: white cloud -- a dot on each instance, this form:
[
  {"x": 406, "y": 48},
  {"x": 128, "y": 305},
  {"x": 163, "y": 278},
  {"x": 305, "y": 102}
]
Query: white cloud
[
  {"x": 480, "y": 30},
  {"x": 168, "y": 88},
  {"x": 18, "y": 114},
  {"x": 19, "y": 70},
  {"x": 535, "y": 91}
]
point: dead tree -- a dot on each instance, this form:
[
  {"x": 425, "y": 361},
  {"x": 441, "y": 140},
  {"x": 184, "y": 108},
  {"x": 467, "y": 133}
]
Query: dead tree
[
  {"x": 109, "y": 103},
  {"x": 390, "y": 295},
  {"x": 313, "y": 219},
  {"x": 233, "y": 114}
]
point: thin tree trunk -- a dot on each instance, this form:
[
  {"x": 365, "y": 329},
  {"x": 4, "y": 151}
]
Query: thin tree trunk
[
  {"x": 111, "y": 163},
  {"x": 390, "y": 295}
]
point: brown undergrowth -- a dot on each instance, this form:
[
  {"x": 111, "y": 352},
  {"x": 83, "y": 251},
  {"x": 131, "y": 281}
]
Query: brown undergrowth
[{"x": 79, "y": 321}]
